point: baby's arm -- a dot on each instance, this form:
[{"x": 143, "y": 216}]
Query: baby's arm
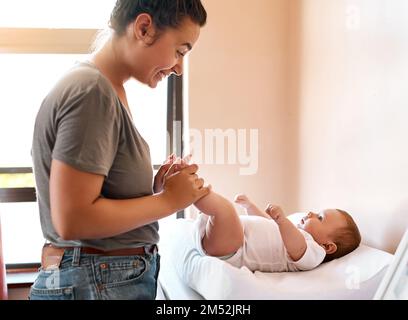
[
  {"x": 250, "y": 208},
  {"x": 293, "y": 239}
]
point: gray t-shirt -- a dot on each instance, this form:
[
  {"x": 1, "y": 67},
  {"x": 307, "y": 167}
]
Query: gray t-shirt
[{"x": 82, "y": 123}]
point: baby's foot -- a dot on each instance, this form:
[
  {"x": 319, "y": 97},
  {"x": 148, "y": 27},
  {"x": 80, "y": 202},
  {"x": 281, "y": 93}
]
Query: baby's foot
[{"x": 242, "y": 200}]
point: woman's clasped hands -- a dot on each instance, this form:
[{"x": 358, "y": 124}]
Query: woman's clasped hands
[{"x": 178, "y": 182}]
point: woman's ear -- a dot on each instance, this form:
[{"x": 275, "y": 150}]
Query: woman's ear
[
  {"x": 143, "y": 28},
  {"x": 330, "y": 247}
]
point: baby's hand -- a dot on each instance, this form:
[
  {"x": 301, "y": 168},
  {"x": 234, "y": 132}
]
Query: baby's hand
[
  {"x": 275, "y": 212},
  {"x": 242, "y": 200}
]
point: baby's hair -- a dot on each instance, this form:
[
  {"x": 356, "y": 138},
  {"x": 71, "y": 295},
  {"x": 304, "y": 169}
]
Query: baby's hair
[
  {"x": 347, "y": 238},
  {"x": 165, "y": 13}
]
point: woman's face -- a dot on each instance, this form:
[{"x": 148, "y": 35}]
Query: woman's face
[{"x": 151, "y": 63}]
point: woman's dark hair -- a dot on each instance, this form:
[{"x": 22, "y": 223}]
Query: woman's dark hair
[{"x": 165, "y": 13}]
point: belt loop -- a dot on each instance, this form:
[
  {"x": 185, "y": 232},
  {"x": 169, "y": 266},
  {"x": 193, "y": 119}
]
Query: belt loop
[
  {"x": 154, "y": 249},
  {"x": 76, "y": 257}
]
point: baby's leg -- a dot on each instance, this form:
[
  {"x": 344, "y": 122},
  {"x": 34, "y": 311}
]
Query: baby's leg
[{"x": 224, "y": 234}]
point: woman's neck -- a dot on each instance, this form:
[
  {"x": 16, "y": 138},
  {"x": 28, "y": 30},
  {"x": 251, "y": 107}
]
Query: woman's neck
[{"x": 110, "y": 64}]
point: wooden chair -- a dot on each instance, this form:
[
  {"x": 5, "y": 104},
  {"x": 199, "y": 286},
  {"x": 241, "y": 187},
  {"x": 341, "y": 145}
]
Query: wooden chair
[{"x": 3, "y": 282}]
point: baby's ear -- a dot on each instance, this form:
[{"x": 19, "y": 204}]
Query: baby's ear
[{"x": 330, "y": 247}]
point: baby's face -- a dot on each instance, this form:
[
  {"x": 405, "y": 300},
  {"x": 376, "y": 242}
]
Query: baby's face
[{"x": 321, "y": 225}]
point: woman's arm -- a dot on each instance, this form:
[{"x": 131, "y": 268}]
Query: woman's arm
[{"x": 78, "y": 211}]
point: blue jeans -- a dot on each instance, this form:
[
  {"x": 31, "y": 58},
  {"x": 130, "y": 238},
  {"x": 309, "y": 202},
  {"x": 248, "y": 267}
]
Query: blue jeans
[{"x": 96, "y": 277}]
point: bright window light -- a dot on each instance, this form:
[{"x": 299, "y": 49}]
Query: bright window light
[
  {"x": 21, "y": 232},
  {"x": 149, "y": 111},
  {"x": 26, "y": 79},
  {"x": 76, "y": 14}
]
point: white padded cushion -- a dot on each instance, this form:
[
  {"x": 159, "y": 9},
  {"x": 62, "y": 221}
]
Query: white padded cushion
[{"x": 354, "y": 276}]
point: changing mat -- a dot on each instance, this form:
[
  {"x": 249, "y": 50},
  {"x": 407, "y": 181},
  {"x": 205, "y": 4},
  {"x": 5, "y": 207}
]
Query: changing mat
[{"x": 354, "y": 276}]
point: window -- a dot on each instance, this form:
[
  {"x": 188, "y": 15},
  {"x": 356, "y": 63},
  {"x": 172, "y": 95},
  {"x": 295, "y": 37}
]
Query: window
[
  {"x": 39, "y": 41},
  {"x": 76, "y": 14}
]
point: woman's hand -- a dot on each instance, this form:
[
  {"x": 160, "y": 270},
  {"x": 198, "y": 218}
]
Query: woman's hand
[
  {"x": 184, "y": 187},
  {"x": 164, "y": 170},
  {"x": 159, "y": 178}
]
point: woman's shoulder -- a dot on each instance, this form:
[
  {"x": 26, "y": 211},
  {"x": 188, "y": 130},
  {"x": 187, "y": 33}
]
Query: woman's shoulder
[
  {"x": 83, "y": 77},
  {"x": 82, "y": 89}
]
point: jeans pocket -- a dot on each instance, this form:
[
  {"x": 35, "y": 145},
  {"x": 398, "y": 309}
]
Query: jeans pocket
[
  {"x": 65, "y": 293},
  {"x": 55, "y": 284},
  {"x": 119, "y": 272}
]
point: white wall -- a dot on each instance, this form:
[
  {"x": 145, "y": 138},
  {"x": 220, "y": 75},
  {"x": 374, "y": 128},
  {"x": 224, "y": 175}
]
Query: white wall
[{"x": 351, "y": 77}]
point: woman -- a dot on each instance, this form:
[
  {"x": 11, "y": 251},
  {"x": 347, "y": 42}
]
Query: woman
[{"x": 93, "y": 171}]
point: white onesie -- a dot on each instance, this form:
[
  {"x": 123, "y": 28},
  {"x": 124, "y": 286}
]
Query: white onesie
[{"x": 263, "y": 249}]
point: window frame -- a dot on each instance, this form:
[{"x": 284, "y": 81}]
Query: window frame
[
  {"x": 175, "y": 115},
  {"x": 16, "y": 195},
  {"x": 46, "y": 41},
  {"x": 73, "y": 41}
]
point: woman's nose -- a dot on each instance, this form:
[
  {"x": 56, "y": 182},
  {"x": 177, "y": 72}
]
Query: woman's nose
[{"x": 178, "y": 68}]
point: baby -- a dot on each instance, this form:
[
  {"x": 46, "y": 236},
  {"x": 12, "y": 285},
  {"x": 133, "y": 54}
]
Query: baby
[{"x": 268, "y": 241}]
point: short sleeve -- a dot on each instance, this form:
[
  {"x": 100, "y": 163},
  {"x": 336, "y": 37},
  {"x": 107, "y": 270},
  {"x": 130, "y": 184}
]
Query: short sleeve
[
  {"x": 88, "y": 131},
  {"x": 313, "y": 256}
]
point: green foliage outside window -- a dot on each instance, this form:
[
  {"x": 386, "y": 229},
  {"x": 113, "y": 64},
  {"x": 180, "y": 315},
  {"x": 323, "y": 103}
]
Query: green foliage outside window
[{"x": 17, "y": 180}]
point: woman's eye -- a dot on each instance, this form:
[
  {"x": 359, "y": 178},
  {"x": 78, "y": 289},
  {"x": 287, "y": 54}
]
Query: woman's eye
[
  {"x": 320, "y": 218},
  {"x": 181, "y": 54}
]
